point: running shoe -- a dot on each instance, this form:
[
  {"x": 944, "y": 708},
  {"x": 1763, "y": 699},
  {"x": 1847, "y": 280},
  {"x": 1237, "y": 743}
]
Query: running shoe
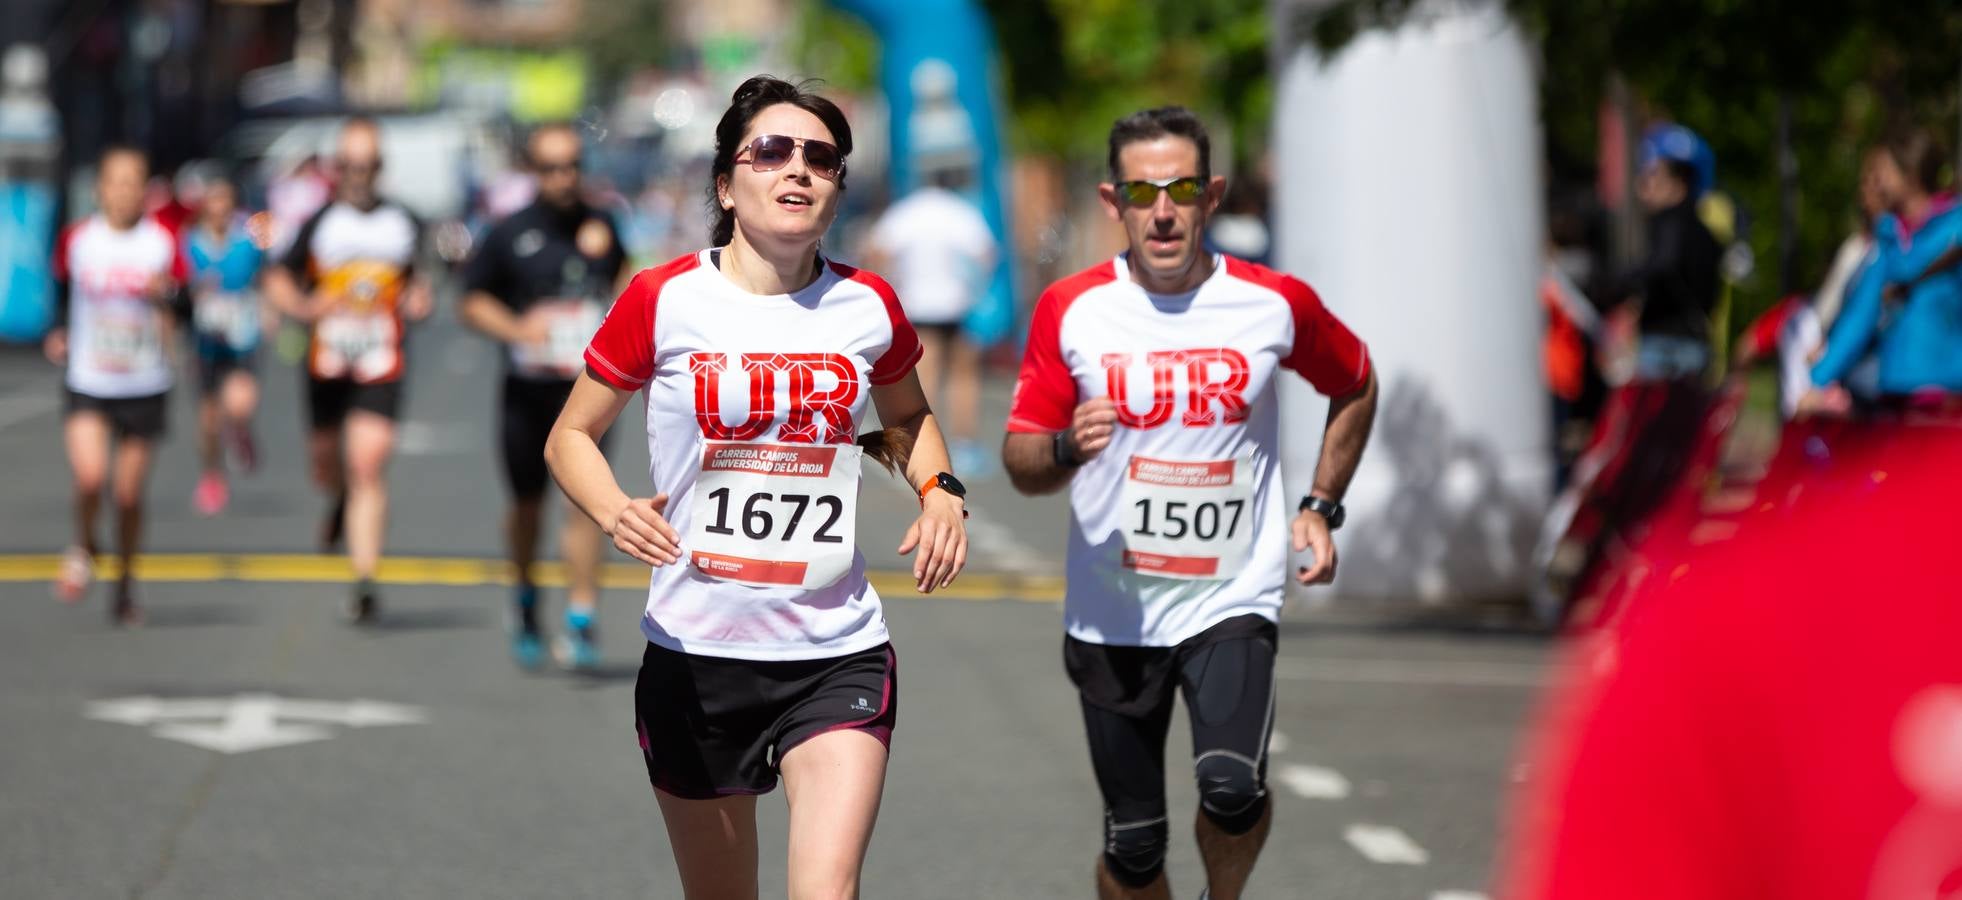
[
  {"x": 577, "y": 649},
  {"x": 72, "y": 580},
  {"x": 212, "y": 494},
  {"x": 332, "y": 527},
  {"x": 527, "y": 643},
  {"x": 364, "y": 604},
  {"x": 123, "y": 610}
]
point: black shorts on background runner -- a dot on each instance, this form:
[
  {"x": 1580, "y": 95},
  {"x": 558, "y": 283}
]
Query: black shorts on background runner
[
  {"x": 329, "y": 402},
  {"x": 134, "y": 417},
  {"x": 214, "y": 366},
  {"x": 527, "y": 409},
  {"x": 715, "y": 727}
]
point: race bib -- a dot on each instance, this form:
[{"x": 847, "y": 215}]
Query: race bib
[
  {"x": 781, "y": 515},
  {"x": 362, "y": 346},
  {"x": 125, "y": 340},
  {"x": 228, "y": 317},
  {"x": 570, "y": 326},
  {"x": 1187, "y": 519}
]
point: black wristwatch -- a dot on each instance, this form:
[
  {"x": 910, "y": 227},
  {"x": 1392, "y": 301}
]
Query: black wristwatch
[
  {"x": 1063, "y": 451},
  {"x": 1327, "y": 509},
  {"x": 947, "y": 482}
]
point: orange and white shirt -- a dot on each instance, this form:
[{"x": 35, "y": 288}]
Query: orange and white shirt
[
  {"x": 1182, "y": 522},
  {"x": 362, "y": 260},
  {"x": 116, "y": 332},
  {"x": 754, "y": 404}
]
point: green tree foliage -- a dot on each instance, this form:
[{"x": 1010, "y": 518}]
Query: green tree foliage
[{"x": 1074, "y": 66}]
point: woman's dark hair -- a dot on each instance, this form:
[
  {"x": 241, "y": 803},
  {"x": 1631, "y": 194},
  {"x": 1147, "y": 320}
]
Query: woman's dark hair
[
  {"x": 1157, "y": 123},
  {"x": 1920, "y": 157},
  {"x": 757, "y": 94}
]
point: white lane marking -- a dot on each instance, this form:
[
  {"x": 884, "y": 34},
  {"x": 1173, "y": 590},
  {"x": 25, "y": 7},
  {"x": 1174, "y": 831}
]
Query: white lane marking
[
  {"x": 23, "y": 405},
  {"x": 1386, "y": 845},
  {"x": 1416, "y": 672},
  {"x": 1314, "y": 782},
  {"x": 250, "y": 721},
  {"x": 1458, "y": 895},
  {"x": 1277, "y": 743}
]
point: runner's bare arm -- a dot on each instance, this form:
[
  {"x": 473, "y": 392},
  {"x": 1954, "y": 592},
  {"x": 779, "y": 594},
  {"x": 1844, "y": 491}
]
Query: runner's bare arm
[
  {"x": 1031, "y": 458},
  {"x": 1350, "y": 418},
  {"x": 283, "y": 292},
  {"x": 488, "y": 316},
  {"x": 637, "y": 525},
  {"x": 940, "y": 533}
]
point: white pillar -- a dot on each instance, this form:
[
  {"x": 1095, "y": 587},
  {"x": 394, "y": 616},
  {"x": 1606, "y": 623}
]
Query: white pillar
[{"x": 1408, "y": 193}]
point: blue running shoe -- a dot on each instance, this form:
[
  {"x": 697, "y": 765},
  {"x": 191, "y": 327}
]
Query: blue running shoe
[
  {"x": 527, "y": 644},
  {"x": 576, "y": 649}
]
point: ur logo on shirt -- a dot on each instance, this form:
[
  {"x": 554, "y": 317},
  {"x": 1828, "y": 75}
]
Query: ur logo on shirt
[
  {"x": 822, "y": 388},
  {"x": 1214, "y": 380}
]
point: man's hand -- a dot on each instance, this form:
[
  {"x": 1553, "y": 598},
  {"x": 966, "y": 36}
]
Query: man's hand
[
  {"x": 55, "y": 345},
  {"x": 641, "y": 531},
  {"x": 1092, "y": 426},
  {"x": 1311, "y": 533},
  {"x": 418, "y": 301}
]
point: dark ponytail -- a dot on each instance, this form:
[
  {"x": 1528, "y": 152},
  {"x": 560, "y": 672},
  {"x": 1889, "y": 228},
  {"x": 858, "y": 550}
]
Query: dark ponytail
[
  {"x": 754, "y": 96},
  {"x": 890, "y": 448}
]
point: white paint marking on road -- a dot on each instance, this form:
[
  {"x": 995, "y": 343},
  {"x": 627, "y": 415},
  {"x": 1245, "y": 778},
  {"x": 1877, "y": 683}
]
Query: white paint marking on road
[
  {"x": 1458, "y": 895},
  {"x": 1414, "y": 672},
  {"x": 21, "y": 406},
  {"x": 1314, "y": 782},
  {"x": 1277, "y": 743},
  {"x": 1386, "y": 845},
  {"x": 249, "y": 721}
]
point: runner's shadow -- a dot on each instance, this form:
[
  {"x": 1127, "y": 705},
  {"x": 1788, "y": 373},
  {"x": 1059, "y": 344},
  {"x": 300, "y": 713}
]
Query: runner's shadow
[
  {"x": 196, "y": 615},
  {"x": 604, "y": 675},
  {"x": 429, "y": 619}
]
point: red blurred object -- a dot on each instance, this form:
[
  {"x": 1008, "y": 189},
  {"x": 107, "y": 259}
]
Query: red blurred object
[{"x": 1772, "y": 704}]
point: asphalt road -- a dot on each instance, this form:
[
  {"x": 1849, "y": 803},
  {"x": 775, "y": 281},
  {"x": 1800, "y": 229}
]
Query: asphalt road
[{"x": 217, "y": 751}]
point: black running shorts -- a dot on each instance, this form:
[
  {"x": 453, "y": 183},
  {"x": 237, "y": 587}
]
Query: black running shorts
[{"x": 714, "y": 727}]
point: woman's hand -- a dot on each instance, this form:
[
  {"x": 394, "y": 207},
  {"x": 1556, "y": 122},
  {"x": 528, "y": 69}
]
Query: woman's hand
[
  {"x": 641, "y": 531},
  {"x": 940, "y": 534}
]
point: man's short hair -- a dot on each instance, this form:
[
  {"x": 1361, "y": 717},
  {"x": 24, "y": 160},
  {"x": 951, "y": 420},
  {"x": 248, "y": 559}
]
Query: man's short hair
[{"x": 1156, "y": 123}]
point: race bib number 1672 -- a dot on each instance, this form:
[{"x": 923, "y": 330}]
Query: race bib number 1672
[{"x": 775, "y": 514}]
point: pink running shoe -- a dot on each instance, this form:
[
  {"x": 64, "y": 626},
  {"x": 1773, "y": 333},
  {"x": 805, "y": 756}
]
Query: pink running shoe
[
  {"x": 212, "y": 494},
  {"x": 77, "y": 570}
]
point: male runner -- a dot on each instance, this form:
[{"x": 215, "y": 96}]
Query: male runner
[
  {"x": 539, "y": 284},
  {"x": 1148, "y": 389},
  {"x": 350, "y": 274}
]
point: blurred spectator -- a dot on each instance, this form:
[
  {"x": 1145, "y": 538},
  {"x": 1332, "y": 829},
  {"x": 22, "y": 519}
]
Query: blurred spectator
[
  {"x": 1240, "y": 227},
  {"x": 1573, "y": 326},
  {"x": 940, "y": 254},
  {"x": 1907, "y": 300},
  {"x": 1741, "y": 732}
]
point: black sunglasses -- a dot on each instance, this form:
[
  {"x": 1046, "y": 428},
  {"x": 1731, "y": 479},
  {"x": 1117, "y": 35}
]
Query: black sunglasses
[
  {"x": 770, "y": 152},
  {"x": 1145, "y": 193},
  {"x": 557, "y": 168}
]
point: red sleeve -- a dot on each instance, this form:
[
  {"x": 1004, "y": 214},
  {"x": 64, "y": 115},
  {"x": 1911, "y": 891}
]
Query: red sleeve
[
  {"x": 180, "y": 262},
  {"x": 1325, "y": 351},
  {"x": 58, "y": 263},
  {"x": 905, "y": 351},
  {"x": 1045, "y": 391},
  {"x": 622, "y": 351}
]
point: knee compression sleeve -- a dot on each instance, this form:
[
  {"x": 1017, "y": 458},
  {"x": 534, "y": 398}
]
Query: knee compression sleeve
[
  {"x": 1231, "y": 794},
  {"x": 1134, "y": 851}
]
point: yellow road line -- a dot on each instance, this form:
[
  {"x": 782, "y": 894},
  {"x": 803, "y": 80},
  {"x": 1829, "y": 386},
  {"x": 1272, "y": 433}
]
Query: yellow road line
[{"x": 453, "y": 571}]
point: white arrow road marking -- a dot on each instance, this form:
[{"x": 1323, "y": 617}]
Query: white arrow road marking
[
  {"x": 249, "y": 721},
  {"x": 1314, "y": 782},
  {"x": 1386, "y": 844}
]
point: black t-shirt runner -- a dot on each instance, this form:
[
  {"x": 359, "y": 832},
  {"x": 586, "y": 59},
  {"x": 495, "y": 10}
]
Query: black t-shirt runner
[{"x": 554, "y": 265}]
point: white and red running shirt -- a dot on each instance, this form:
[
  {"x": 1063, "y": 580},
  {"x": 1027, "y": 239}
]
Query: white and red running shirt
[
  {"x": 753, "y": 408},
  {"x": 116, "y": 333},
  {"x": 1182, "y": 522}
]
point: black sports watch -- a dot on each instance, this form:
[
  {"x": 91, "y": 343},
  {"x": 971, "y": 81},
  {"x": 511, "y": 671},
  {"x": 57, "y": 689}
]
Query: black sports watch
[
  {"x": 1327, "y": 509},
  {"x": 1063, "y": 450},
  {"x": 946, "y": 482}
]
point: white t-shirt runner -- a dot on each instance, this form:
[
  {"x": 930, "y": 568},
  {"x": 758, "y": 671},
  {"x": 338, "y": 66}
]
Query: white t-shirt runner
[
  {"x": 116, "y": 332},
  {"x": 753, "y": 407},
  {"x": 1182, "y": 522}
]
